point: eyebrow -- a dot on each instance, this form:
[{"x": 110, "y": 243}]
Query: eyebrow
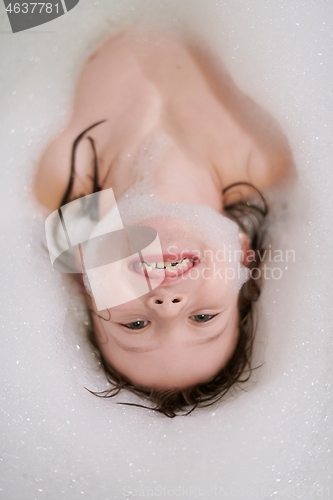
[{"x": 126, "y": 347}]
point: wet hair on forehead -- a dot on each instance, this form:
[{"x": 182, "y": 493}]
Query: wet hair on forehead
[{"x": 245, "y": 205}]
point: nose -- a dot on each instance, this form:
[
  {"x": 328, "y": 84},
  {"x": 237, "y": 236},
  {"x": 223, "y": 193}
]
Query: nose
[{"x": 165, "y": 303}]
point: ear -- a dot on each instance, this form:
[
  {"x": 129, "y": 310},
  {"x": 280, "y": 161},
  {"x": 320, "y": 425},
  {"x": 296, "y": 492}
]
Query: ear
[{"x": 247, "y": 252}]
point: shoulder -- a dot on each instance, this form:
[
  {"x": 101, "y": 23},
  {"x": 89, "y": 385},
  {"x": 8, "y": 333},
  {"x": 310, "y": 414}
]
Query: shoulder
[
  {"x": 52, "y": 173},
  {"x": 55, "y": 171},
  {"x": 271, "y": 162}
]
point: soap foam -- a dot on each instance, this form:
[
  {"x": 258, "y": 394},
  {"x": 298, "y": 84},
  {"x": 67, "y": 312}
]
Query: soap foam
[
  {"x": 59, "y": 441},
  {"x": 203, "y": 229}
]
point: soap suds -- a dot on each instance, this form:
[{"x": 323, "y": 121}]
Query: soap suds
[{"x": 59, "y": 441}]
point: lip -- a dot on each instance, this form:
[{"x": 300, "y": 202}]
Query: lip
[{"x": 166, "y": 257}]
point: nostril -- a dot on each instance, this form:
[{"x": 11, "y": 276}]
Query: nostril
[{"x": 174, "y": 301}]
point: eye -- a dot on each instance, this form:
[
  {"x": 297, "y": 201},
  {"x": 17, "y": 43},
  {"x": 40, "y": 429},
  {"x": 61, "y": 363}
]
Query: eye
[
  {"x": 203, "y": 318},
  {"x": 136, "y": 325}
]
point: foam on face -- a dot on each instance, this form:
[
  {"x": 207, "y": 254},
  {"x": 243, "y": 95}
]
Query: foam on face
[{"x": 197, "y": 222}]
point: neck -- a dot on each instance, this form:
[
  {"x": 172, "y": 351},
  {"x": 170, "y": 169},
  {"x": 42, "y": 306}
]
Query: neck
[{"x": 169, "y": 171}]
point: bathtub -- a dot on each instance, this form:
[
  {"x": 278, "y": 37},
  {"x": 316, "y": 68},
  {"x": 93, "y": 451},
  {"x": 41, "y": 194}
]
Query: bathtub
[{"x": 271, "y": 440}]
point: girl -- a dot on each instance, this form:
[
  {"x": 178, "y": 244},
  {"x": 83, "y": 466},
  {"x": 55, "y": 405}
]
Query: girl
[{"x": 187, "y": 154}]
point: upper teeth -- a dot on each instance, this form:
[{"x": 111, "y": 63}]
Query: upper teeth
[{"x": 162, "y": 265}]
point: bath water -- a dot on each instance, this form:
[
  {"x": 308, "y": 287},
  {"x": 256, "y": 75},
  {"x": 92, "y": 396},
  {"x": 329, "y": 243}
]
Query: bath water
[{"x": 273, "y": 440}]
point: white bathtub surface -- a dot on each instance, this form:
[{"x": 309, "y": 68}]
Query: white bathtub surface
[{"x": 273, "y": 441}]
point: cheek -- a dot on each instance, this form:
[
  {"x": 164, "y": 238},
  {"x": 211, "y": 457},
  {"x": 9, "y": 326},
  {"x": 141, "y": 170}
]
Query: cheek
[
  {"x": 226, "y": 345},
  {"x": 223, "y": 281},
  {"x": 229, "y": 277}
]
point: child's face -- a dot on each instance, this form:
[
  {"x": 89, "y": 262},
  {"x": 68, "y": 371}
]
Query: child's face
[
  {"x": 175, "y": 336},
  {"x": 185, "y": 330}
]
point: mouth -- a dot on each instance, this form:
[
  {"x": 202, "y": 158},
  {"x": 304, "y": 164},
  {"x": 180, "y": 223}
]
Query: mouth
[{"x": 168, "y": 268}]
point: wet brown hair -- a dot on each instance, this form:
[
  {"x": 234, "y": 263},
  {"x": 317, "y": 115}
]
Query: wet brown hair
[{"x": 245, "y": 205}]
